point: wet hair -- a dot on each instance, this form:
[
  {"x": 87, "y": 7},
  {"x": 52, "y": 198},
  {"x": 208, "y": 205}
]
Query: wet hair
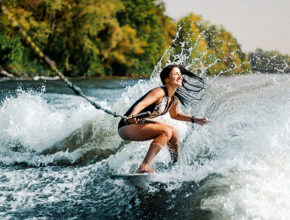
[{"x": 192, "y": 85}]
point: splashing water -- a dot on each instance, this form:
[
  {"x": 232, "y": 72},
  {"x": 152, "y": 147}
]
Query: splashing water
[
  {"x": 224, "y": 169},
  {"x": 186, "y": 50},
  {"x": 236, "y": 167},
  {"x": 30, "y": 125}
]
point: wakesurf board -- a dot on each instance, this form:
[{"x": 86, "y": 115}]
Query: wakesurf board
[{"x": 132, "y": 176}]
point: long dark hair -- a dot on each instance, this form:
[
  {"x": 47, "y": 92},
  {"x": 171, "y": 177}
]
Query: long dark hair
[{"x": 192, "y": 85}]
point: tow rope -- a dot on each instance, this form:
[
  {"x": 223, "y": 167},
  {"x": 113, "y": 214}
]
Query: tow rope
[{"x": 52, "y": 66}]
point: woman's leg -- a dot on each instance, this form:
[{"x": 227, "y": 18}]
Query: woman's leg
[
  {"x": 161, "y": 134},
  {"x": 173, "y": 145}
]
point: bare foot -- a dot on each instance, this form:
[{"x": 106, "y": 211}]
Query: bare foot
[{"x": 145, "y": 169}]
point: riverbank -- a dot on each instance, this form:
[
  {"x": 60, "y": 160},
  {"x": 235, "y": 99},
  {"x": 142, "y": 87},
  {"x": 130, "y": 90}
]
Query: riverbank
[{"x": 4, "y": 75}]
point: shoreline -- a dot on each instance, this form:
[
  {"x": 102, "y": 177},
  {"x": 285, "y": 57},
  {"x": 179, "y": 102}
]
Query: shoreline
[
  {"x": 4, "y": 74},
  {"x": 11, "y": 77},
  {"x": 53, "y": 78}
]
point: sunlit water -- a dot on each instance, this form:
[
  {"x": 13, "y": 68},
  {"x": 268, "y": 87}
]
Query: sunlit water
[{"x": 57, "y": 153}]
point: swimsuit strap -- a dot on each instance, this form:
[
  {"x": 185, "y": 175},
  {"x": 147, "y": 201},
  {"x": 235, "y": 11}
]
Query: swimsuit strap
[{"x": 168, "y": 105}]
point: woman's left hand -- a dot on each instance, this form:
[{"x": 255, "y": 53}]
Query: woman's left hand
[{"x": 201, "y": 121}]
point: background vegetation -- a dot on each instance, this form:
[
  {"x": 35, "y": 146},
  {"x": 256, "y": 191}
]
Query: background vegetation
[
  {"x": 120, "y": 38},
  {"x": 269, "y": 62}
]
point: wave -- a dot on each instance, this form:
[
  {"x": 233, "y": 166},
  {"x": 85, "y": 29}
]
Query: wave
[
  {"x": 33, "y": 122},
  {"x": 40, "y": 129},
  {"x": 236, "y": 167},
  {"x": 238, "y": 161}
]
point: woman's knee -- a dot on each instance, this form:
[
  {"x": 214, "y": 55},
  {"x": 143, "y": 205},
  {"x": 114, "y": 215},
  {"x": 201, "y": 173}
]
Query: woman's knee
[{"x": 167, "y": 132}]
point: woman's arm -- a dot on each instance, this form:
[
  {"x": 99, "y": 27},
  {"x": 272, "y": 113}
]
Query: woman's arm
[
  {"x": 155, "y": 96},
  {"x": 181, "y": 117}
]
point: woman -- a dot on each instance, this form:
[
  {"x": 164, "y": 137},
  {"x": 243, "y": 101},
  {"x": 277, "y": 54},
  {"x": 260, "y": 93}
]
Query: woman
[{"x": 160, "y": 101}]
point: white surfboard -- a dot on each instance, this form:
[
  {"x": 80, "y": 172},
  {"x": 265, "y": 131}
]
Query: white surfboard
[
  {"x": 140, "y": 180},
  {"x": 132, "y": 176}
]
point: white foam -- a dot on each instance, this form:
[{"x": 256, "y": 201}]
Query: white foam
[
  {"x": 245, "y": 147},
  {"x": 28, "y": 121}
]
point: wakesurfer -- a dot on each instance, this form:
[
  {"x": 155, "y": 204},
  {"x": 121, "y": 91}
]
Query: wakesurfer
[{"x": 159, "y": 101}]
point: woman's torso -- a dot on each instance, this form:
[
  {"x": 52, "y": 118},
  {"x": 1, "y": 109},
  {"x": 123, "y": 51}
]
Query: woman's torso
[{"x": 156, "y": 109}]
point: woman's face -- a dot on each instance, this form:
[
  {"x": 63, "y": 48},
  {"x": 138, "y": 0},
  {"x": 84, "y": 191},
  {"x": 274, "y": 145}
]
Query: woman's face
[{"x": 174, "y": 78}]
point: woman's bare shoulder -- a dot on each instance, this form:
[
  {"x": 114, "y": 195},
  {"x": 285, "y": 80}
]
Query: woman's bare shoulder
[{"x": 159, "y": 92}]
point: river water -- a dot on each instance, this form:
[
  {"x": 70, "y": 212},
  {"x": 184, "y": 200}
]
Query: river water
[{"x": 57, "y": 153}]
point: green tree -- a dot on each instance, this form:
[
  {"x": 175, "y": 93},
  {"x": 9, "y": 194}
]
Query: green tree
[
  {"x": 269, "y": 61},
  {"x": 115, "y": 37},
  {"x": 208, "y": 49},
  {"x": 83, "y": 37},
  {"x": 152, "y": 26}
]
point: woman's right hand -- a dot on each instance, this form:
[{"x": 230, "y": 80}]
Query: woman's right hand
[
  {"x": 200, "y": 121},
  {"x": 131, "y": 120}
]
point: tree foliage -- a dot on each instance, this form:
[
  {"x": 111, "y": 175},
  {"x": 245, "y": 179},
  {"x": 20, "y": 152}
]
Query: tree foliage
[
  {"x": 152, "y": 27},
  {"x": 121, "y": 37},
  {"x": 88, "y": 37},
  {"x": 209, "y": 49},
  {"x": 269, "y": 61}
]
